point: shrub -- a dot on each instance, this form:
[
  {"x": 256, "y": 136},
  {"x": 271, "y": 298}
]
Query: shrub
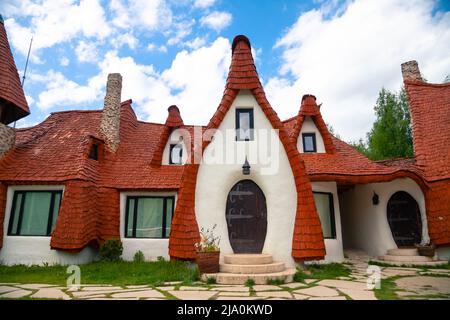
[
  {"x": 160, "y": 259},
  {"x": 211, "y": 280},
  {"x": 275, "y": 282},
  {"x": 139, "y": 257},
  {"x": 111, "y": 250},
  {"x": 250, "y": 282}
]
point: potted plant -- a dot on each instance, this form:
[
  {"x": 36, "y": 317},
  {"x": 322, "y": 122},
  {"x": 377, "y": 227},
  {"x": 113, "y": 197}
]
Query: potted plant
[
  {"x": 208, "y": 251},
  {"x": 426, "y": 249}
]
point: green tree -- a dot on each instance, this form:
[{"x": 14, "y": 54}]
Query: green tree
[{"x": 391, "y": 135}]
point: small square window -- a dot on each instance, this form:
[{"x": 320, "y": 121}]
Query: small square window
[
  {"x": 93, "y": 154},
  {"x": 176, "y": 154},
  {"x": 244, "y": 124},
  {"x": 309, "y": 142}
]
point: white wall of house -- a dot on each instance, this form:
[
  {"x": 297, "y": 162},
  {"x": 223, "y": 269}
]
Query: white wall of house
[
  {"x": 334, "y": 247},
  {"x": 443, "y": 253},
  {"x": 31, "y": 250},
  {"x": 310, "y": 127},
  {"x": 151, "y": 248},
  {"x": 364, "y": 225},
  {"x": 273, "y": 175},
  {"x": 175, "y": 137}
]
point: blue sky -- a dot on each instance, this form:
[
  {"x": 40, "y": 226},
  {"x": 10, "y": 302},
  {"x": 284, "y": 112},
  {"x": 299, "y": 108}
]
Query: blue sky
[{"x": 178, "y": 52}]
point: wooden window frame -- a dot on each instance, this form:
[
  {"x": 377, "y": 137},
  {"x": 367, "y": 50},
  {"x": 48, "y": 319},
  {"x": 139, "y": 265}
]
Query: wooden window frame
[
  {"x": 135, "y": 213},
  {"x": 238, "y": 124},
  {"x": 313, "y": 135},
  {"x": 332, "y": 217},
  {"x": 20, "y": 217}
]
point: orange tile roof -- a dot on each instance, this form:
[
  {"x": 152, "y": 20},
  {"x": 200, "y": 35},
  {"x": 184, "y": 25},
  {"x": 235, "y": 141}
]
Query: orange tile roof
[
  {"x": 12, "y": 98},
  {"x": 308, "y": 240}
]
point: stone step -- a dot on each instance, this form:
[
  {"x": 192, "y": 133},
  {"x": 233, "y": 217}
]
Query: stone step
[
  {"x": 252, "y": 268},
  {"x": 246, "y": 258},
  {"x": 434, "y": 263},
  {"x": 403, "y": 252},
  {"x": 406, "y": 259},
  {"x": 240, "y": 278}
]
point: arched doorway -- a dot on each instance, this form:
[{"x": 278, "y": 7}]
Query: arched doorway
[
  {"x": 246, "y": 215},
  {"x": 404, "y": 219}
]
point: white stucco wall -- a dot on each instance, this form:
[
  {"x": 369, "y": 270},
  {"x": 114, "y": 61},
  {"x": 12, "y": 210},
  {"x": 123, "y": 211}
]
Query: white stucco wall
[
  {"x": 175, "y": 137},
  {"x": 364, "y": 225},
  {"x": 36, "y": 250},
  {"x": 310, "y": 127},
  {"x": 443, "y": 253},
  {"x": 334, "y": 248},
  {"x": 215, "y": 180},
  {"x": 151, "y": 248}
]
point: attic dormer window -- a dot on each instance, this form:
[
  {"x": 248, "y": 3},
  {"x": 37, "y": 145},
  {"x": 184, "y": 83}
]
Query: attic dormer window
[
  {"x": 176, "y": 153},
  {"x": 244, "y": 124},
  {"x": 93, "y": 154},
  {"x": 309, "y": 142}
]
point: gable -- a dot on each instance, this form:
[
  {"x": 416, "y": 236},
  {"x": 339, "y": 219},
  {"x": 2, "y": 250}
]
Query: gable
[{"x": 309, "y": 127}]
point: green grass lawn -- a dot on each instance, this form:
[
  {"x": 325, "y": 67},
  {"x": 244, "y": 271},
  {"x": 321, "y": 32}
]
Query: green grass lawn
[
  {"x": 322, "y": 271},
  {"x": 115, "y": 273}
]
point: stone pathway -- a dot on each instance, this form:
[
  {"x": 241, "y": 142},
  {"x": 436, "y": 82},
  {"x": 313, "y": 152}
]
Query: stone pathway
[{"x": 412, "y": 283}]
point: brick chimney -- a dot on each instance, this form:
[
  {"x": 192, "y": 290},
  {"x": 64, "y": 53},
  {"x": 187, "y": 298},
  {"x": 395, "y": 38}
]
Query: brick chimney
[
  {"x": 411, "y": 72},
  {"x": 110, "y": 124}
]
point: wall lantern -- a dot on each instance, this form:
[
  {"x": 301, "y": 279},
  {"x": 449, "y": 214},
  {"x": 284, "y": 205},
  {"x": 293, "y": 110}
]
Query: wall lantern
[
  {"x": 375, "y": 199},
  {"x": 246, "y": 168}
]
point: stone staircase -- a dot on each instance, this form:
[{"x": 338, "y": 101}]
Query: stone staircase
[
  {"x": 410, "y": 257},
  {"x": 238, "y": 268}
]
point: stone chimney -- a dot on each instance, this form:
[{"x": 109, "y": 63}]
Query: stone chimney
[
  {"x": 7, "y": 138},
  {"x": 110, "y": 124},
  {"x": 411, "y": 72}
]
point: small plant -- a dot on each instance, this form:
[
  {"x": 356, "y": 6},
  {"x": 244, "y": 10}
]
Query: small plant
[
  {"x": 111, "y": 250},
  {"x": 211, "y": 280},
  {"x": 208, "y": 242},
  {"x": 139, "y": 257},
  {"x": 250, "y": 282},
  {"x": 160, "y": 259},
  {"x": 275, "y": 282}
]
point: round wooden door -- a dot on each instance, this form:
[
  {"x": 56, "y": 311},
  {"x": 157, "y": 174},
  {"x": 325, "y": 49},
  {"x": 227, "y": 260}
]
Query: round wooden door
[
  {"x": 246, "y": 215},
  {"x": 404, "y": 219}
]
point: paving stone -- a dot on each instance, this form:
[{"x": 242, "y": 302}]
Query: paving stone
[
  {"x": 235, "y": 294},
  {"x": 82, "y": 293},
  {"x": 300, "y": 296},
  {"x": 308, "y": 281},
  {"x": 193, "y": 295},
  {"x": 238, "y": 298},
  {"x": 233, "y": 289},
  {"x": 137, "y": 286},
  {"x": 7, "y": 289},
  {"x": 35, "y": 286},
  {"x": 50, "y": 293},
  {"x": 172, "y": 283},
  {"x": 16, "y": 294},
  {"x": 139, "y": 294},
  {"x": 93, "y": 297},
  {"x": 356, "y": 294},
  {"x": 329, "y": 298},
  {"x": 340, "y": 284},
  {"x": 101, "y": 288},
  {"x": 168, "y": 288},
  {"x": 8, "y": 283},
  {"x": 192, "y": 288},
  {"x": 293, "y": 285},
  {"x": 318, "y": 291},
  {"x": 113, "y": 299},
  {"x": 424, "y": 285},
  {"x": 274, "y": 294},
  {"x": 265, "y": 287}
]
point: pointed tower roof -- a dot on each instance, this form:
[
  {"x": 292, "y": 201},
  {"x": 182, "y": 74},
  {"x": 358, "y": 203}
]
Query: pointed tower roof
[
  {"x": 308, "y": 240},
  {"x": 13, "y": 105}
]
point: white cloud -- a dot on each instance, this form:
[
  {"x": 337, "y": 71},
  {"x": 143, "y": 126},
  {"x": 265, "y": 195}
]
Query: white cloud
[
  {"x": 203, "y": 4},
  {"x": 195, "y": 43},
  {"x": 145, "y": 14},
  {"x": 61, "y": 91},
  {"x": 125, "y": 39},
  {"x": 180, "y": 30},
  {"x": 64, "y": 61},
  {"x": 154, "y": 47},
  {"x": 346, "y": 59},
  {"x": 54, "y": 22},
  {"x": 217, "y": 20},
  {"x": 86, "y": 51}
]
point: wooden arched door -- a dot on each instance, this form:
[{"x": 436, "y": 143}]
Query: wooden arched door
[
  {"x": 404, "y": 219},
  {"x": 246, "y": 215}
]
